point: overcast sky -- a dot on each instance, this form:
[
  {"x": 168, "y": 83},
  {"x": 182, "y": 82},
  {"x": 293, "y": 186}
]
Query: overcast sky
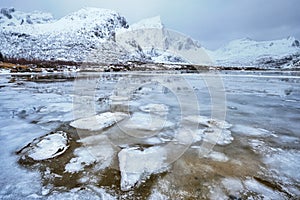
[{"x": 212, "y": 22}]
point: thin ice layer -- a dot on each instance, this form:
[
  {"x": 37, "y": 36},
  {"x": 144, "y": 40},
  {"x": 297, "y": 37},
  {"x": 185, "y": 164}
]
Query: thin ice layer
[
  {"x": 160, "y": 109},
  {"x": 99, "y": 122},
  {"x": 97, "y": 150},
  {"x": 142, "y": 121},
  {"x": 212, "y": 130},
  {"x": 135, "y": 165}
]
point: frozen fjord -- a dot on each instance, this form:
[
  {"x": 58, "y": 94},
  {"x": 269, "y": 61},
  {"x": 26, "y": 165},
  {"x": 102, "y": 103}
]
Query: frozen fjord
[{"x": 257, "y": 158}]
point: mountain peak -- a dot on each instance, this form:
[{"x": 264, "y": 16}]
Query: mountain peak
[
  {"x": 90, "y": 13},
  {"x": 246, "y": 39},
  {"x": 11, "y": 17},
  {"x": 153, "y": 22}
]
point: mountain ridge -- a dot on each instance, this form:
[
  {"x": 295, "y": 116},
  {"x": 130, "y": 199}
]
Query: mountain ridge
[
  {"x": 104, "y": 36},
  {"x": 249, "y": 52}
]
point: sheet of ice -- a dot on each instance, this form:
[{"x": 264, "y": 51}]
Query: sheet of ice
[
  {"x": 232, "y": 185},
  {"x": 160, "y": 109},
  {"x": 142, "y": 121},
  {"x": 216, "y": 192},
  {"x": 96, "y": 150},
  {"x": 208, "y": 122},
  {"x": 153, "y": 141},
  {"x": 56, "y": 117},
  {"x": 156, "y": 195},
  {"x": 135, "y": 165},
  {"x": 211, "y": 130},
  {"x": 17, "y": 182},
  {"x": 4, "y": 71},
  {"x": 217, "y": 156},
  {"x": 285, "y": 163},
  {"x": 89, "y": 193},
  {"x": 98, "y": 122},
  {"x": 263, "y": 191},
  {"x": 48, "y": 146},
  {"x": 260, "y": 147},
  {"x": 282, "y": 163},
  {"x": 219, "y": 136},
  {"x": 250, "y": 131},
  {"x": 119, "y": 98},
  {"x": 57, "y": 107}
]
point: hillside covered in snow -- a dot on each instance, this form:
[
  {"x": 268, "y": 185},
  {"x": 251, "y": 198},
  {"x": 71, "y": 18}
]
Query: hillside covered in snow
[
  {"x": 70, "y": 38},
  {"x": 93, "y": 35},
  {"x": 284, "y": 53}
]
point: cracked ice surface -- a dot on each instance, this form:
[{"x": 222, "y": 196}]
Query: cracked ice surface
[
  {"x": 97, "y": 150},
  {"x": 136, "y": 165}
]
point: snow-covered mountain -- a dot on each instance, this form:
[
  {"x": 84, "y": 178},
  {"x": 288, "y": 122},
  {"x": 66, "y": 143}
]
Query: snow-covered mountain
[
  {"x": 268, "y": 54},
  {"x": 93, "y": 35},
  {"x": 11, "y": 17},
  {"x": 161, "y": 44},
  {"x": 71, "y": 38}
]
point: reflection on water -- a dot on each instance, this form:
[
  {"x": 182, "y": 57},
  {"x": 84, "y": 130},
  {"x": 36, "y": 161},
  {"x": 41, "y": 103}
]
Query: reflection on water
[{"x": 152, "y": 136}]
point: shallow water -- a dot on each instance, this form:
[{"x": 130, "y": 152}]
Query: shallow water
[{"x": 245, "y": 144}]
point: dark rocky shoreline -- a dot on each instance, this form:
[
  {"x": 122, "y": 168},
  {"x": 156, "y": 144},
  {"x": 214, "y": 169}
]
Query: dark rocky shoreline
[{"x": 27, "y": 67}]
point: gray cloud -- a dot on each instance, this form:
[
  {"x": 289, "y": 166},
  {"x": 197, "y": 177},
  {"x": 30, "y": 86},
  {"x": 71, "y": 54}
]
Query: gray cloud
[{"x": 213, "y": 22}]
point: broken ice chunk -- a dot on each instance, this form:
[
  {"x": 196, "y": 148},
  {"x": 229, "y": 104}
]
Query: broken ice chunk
[
  {"x": 213, "y": 130},
  {"x": 49, "y": 146},
  {"x": 99, "y": 122},
  {"x": 160, "y": 109},
  {"x": 208, "y": 122},
  {"x": 135, "y": 165},
  {"x": 97, "y": 150},
  {"x": 149, "y": 122},
  {"x": 217, "y": 156}
]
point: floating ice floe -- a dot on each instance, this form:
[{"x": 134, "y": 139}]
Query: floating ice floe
[
  {"x": 96, "y": 150},
  {"x": 57, "y": 107},
  {"x": 217, "y": 156},
  {"x": 47, "y": 147},
  {"x": 208, "y": 122},
  {"x": 135, "y": 165},
  {"x": 99, "y": 122},
  {"x": 148, "y": 122},
  {"x": 160, "y": 109},
  {"x": 232, "y": 185},
  {"x": 211, "y": 130}
]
